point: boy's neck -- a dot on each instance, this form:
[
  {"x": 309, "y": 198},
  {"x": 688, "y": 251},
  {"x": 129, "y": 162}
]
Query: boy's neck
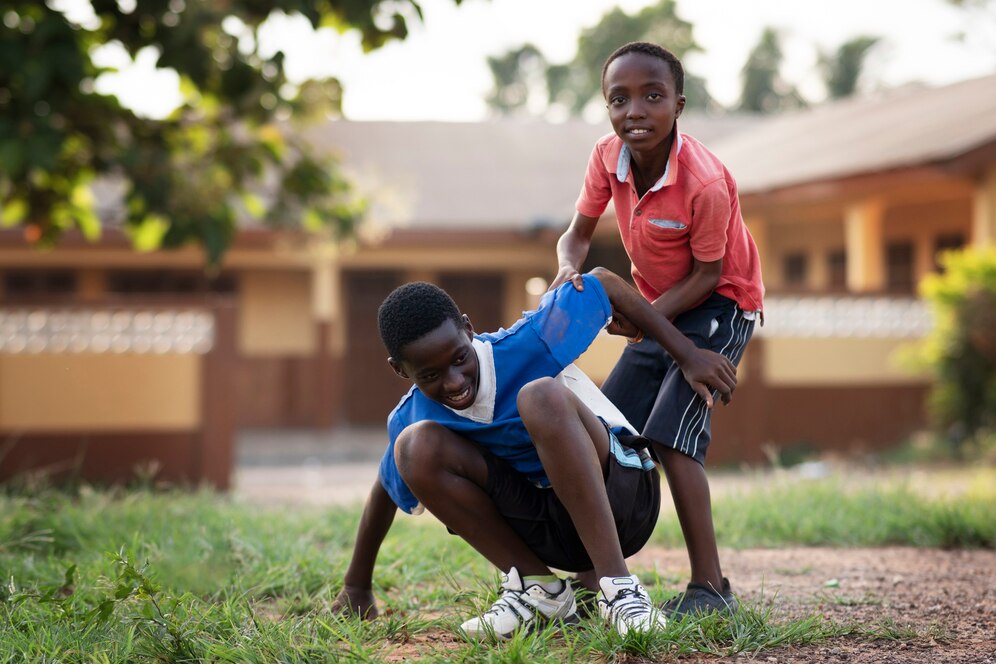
[{"x": 649, "y": 167}]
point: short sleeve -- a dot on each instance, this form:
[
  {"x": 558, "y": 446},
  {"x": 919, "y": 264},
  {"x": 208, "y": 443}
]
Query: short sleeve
[
  {"x": 711, "y": 211},
  {"x": 568, "y": 320},
  {"x": 596, "y": 192},
  {"x": 390, "y": 477}
]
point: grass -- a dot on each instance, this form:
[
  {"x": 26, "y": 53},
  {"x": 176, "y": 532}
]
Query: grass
[
  {"x": 145, "y": 576},
  {"x": 835, "y": 512}
]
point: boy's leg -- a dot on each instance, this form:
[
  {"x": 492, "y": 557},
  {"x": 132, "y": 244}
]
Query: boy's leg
[
  {"x": 679, "y": 423},
  {"x": 573, "y": 445},
  {"x": 692, "y": 502},
  {"x": 635, "y": 385},
  {"x": 575, "y": 449},
  {"x": 448, "y": 474}
]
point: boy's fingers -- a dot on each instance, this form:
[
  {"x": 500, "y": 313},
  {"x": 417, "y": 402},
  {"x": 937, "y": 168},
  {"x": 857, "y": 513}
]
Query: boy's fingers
[
  {"x": 703, "y": 391},
  {"x": 578, "y": 281}
]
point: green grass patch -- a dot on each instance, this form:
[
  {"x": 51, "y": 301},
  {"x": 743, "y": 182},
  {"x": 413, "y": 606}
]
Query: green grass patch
[
  {"x": 833, "y": 512},
  {"x": 141, "y": 576}
]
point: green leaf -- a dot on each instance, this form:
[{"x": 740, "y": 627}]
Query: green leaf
[
  {"x": 254, "y": 205},
  {"x": 89, "y": 223},
  {"x": 147, "y": 235},
  {"x": 13, "y": 212}
]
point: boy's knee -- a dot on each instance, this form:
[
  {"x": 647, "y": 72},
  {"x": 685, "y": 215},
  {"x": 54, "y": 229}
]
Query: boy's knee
[
  {"x": 541, "y": 398},
  {"x": 419, "y": 446}
]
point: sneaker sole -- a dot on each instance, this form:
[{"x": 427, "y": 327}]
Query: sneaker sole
[{"x": 570, "y": 620}]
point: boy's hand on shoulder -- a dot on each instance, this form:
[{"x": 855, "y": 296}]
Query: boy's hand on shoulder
[
  {"x": 564, "y": 275},
  {"x": 353, "y": 601},
  {"x": 704, "y": 369}
]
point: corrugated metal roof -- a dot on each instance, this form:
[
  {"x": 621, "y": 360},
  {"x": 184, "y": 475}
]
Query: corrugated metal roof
[
  {"x": 904, "y": 127},
  {"x": 503, "y": 174}
]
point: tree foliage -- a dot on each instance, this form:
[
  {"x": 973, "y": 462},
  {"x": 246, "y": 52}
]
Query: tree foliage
[
  {"x": 763, "y": 88},
  {"x": 190, "y": 176},
  {"x": 515, "y": 73},
  {"x": 574, "y": 85},
  {"x": 961, "y": 349},
  {"x": 842, "y": 70}
]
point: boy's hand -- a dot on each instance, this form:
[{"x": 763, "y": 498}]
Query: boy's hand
[
  {"x": 353, "y": 601},
  {"x": 566, "y": 274},
  {"x": 621, "y": 326},
  {"x": 705, "y": 368}
]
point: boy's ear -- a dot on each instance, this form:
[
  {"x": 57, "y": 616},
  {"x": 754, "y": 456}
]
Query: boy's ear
[
  {"x": 467, "y": 325},
  {"x": 681, "y": 105},
  {"x": 398, "y": 369}
]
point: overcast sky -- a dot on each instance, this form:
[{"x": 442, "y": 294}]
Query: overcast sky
[{"x": 440, "y": 73}]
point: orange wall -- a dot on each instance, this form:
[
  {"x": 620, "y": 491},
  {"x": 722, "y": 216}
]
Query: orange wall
[
  {"x": 99, "y": 392},
  {"x": 275, "y": 315}
]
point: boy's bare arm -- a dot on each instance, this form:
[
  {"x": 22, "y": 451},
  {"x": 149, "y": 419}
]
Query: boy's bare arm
[
  {"x": 572, "y": 249},
  {"x": 357, "y": 596},
  {"x": 691, "y": 290},
  {"x": 702, "y": 368}
]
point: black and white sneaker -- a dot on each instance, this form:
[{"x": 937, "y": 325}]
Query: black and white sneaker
[
  {"x": 624, "y": 603},
  {"x": 523, "y": 608}
]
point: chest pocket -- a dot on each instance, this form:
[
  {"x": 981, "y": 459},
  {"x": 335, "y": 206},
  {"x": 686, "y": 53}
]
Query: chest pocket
[{"x": 669, "y": 224}]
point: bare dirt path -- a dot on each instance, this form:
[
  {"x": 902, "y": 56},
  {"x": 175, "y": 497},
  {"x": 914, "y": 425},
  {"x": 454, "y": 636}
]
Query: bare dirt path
[{"x": 947, "y": 597}]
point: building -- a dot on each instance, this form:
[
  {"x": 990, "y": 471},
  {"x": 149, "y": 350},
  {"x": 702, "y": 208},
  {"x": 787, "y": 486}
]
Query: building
[{"x": 849, "y": 204}]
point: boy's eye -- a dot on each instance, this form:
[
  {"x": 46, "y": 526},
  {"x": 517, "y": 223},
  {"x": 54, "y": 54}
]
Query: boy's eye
[
  {"x": 460, "y": 360},
  {"x": 615, "y": 101},
  {"x": 654, "y": 96}
]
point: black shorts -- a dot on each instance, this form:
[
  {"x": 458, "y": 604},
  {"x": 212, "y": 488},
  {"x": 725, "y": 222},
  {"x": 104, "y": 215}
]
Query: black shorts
[
  {"x": 648, "y": 387},
  {"x": 538, "y": 516}
]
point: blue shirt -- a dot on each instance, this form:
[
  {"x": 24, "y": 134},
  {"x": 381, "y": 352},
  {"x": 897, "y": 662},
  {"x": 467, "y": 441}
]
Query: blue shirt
[{"x": 541, "y": 344}]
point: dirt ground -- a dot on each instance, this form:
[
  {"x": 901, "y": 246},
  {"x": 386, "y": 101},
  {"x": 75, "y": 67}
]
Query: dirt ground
[
  {"x": 941, "y": 605},
  {"x": 947, "y": 597}
]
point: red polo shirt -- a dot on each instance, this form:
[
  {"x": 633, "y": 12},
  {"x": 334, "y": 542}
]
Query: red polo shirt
[{"x": 692, "y": 211}]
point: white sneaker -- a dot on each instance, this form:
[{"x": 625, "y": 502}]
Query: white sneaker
[
  {"x": 523, "y": 608},
  {"x": 624, "y": 603}
]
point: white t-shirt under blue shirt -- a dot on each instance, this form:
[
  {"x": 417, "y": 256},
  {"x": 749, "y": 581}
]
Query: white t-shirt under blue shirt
[{"x": 541, "y": 344}]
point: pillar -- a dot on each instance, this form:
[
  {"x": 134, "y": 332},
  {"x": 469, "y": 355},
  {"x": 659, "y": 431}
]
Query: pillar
[
  {"x": 984, "y": 210},
  {"x": 863, "y": 238}
]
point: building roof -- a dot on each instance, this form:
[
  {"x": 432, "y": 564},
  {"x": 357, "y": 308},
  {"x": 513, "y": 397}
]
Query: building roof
[
  {"x": 500, "y": 174},
  {"x": 899, "y": 128}
]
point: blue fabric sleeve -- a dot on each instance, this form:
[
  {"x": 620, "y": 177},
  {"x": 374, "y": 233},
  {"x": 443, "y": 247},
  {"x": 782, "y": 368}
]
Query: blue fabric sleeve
[
  {"x": 390, "y": 477},
  {"x": 568, "y": 320}
]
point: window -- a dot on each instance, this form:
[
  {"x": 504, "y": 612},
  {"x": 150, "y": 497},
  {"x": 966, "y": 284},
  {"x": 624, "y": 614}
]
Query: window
[
  {"x": 29, "y": 283},
  {"x": 899, "y": 267},
  {"x": 795, "y": 270},
  {"x": 837, "y": 270}
]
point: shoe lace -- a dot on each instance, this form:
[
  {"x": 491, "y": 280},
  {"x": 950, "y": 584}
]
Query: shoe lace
[
  {"x": 510, "y": 600},
  {"x": 630, "y": 604}
]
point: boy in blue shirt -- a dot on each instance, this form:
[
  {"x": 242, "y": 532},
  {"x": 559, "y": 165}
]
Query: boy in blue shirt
[{"x": 513, "y": 449}]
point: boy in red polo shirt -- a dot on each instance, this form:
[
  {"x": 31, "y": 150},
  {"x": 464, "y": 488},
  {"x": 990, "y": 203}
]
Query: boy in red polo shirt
[{"x": 692, "y": 257}]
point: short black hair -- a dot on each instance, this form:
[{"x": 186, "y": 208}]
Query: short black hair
[
  {"x": 412, "y": 311},
  {"x": 654, "y": 51}
]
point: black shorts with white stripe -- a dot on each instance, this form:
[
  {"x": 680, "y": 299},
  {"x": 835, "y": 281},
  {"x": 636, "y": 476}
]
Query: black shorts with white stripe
[{"x": 648, "y": 387}]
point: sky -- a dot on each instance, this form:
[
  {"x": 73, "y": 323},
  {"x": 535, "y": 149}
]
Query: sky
[{"x": 440, "y": 71}]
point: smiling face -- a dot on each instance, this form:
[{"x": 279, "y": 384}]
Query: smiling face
[
  {"x": 642, "y": 100},
  {"x": 442, "y": 364}
]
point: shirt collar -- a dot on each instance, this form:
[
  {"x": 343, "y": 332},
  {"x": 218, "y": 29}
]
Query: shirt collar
[
  {"x": 670, "y": 172},
  {"x": 483, "y": 408}
]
